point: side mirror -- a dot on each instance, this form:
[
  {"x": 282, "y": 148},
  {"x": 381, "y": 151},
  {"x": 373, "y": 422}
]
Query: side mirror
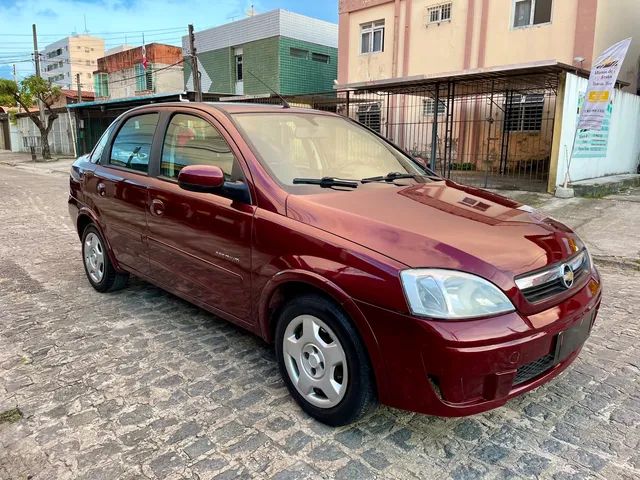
[{"x": 201, "y": 178}]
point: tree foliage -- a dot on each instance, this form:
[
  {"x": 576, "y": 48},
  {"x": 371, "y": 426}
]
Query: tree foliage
[{"x": 26, "y": 94}]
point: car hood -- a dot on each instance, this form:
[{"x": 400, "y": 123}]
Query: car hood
[{"x": 440, "y": 224}]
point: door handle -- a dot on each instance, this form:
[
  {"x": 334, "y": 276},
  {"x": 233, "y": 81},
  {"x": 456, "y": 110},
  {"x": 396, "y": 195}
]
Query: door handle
[
  {"x": 157, "y": 207},
  {"x": 102, "y": 189}
]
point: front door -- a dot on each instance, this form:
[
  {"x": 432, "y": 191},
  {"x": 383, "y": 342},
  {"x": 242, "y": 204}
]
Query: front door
[
  {"x": 119, "y": 189},
  {"x": 200, "y": 243}
]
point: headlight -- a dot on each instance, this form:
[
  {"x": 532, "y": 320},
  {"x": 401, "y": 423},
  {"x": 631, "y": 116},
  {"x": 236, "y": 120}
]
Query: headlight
[{"x": 448, "y": 294}]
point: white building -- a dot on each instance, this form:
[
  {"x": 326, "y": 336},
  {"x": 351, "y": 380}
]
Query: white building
[{"x": 62, "y": 60}]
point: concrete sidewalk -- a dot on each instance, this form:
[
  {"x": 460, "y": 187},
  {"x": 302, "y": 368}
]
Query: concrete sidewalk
[{"x": 59, "y": 164}]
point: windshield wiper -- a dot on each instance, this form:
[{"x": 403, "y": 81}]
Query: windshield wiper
[
  {"x": 389, "y": 177},
  {"x": 325, "y": 182}
]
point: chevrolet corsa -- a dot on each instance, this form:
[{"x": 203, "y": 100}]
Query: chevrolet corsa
[{"x": 375, "y": 279}]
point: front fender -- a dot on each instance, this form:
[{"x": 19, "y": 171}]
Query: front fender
[{"x": 328, "y": 287}]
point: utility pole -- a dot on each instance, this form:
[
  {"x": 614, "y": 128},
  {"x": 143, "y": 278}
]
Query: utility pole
[
  {"x": 36, "y": 59},
  {"x": 194, "y": 65},
  {"x": 79, "y": 89},
  {"x": 15, "y": 79}
]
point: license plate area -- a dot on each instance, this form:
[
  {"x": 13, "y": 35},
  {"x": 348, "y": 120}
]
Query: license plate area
[{"x": 570, "y": 340}]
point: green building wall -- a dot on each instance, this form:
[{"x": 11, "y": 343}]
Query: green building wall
[
  {"x": 270, "y": 60},
  {"x": 305, "y": 75}
]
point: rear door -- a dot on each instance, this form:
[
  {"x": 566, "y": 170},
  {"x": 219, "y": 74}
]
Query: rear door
[
  {"x": 200, "y": 243},
  {"x": 120, "y": 189}
]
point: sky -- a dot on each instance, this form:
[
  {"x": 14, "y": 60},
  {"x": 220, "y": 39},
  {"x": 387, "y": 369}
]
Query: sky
[{"x": 163, "y": 21}]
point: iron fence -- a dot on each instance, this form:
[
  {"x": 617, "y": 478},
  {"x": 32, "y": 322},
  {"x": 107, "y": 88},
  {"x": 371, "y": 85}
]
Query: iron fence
[{"x": 494, "y": 132}]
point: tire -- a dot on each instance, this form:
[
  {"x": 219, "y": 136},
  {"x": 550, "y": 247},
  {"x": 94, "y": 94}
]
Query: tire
[
  {"x": 97, "y": 265},
  {"x": 323, "y": 361}
]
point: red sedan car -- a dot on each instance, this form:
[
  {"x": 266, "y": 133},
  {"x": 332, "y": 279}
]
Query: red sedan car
[{"x": 374, "y": 278}]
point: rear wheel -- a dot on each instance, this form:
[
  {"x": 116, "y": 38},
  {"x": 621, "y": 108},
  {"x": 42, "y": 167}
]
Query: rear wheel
[
  {"x": 97, "y": 265},
  {"x": 323, "y": 361}
]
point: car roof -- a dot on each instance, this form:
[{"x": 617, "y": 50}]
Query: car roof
[{"x": 236, "y": 107}]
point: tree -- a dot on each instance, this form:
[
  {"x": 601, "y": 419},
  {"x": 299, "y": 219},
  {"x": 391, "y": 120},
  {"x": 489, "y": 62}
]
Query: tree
[{"x": 26, "y": 94}]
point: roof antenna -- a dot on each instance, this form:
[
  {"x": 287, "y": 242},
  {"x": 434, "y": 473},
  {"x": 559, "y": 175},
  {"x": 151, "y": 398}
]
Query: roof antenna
[{"x": 285, "y": 104}]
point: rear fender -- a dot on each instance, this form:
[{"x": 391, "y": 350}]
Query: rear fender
[{"x": 84, "y": 213}]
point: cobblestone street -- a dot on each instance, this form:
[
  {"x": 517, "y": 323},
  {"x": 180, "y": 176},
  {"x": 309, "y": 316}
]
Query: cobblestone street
[{"x": 139, "y": 384}]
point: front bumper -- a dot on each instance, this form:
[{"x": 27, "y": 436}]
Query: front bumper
[{"x": 458, "y": 368}]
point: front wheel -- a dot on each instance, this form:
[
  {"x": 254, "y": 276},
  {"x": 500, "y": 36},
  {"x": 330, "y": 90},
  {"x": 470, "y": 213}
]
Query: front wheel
[
  {"x": 323, "y": 361},
  {"x": 97, "y": 265}
]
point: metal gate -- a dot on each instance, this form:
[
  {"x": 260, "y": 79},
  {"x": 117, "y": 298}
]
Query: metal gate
[{"x": 493, "y": 130}]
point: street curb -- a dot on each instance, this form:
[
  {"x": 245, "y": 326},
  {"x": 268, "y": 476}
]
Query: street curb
[
  {"x": 600, "y": 190},
  {"x": 619, "y": 262}
]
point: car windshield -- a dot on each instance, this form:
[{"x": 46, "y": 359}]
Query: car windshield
[{"x": 314, "y": 146}]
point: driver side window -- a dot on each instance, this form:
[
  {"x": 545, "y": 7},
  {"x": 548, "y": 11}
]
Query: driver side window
[
  {"x": 191, "y": 140},
  {"x": 132, "y": 145}
]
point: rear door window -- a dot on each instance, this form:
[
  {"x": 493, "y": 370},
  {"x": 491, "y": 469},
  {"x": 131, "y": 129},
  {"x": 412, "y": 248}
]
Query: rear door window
[{"x": 132, "y": 146}]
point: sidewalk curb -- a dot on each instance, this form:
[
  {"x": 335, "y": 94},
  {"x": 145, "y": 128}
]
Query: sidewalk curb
[{"x": 620, "y": 262}]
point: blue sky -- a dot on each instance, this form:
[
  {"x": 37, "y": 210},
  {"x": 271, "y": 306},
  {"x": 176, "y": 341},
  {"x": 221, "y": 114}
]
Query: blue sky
[{"x": 162, "y": 21}]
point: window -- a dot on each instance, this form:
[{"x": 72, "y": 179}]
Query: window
[
  {"x": 439, "y": 13},
  {"x": 239, "y": 72},
  {"x": 531, "y": 12},
  {"x": 307, "y": 145},
  {"x": 88, "y": 62},
  {"x": 96, "y": 154},
  {"x": 320, "y": 57},
  {"x": 523, "y": 113},
  {"x": 429, "y": 107},
  {"x": 132, "y": 145},
  {"x": 193, "y": 141},
  {"x": 372, "y": 37},
  {"x": 86, "y": 50},
  {"x": 54, "y": 53},
  {"x": 144, "y": 78},
  {"x": 299, "y": 53},
  {"x": 370, "y": 116},
  {"x": 101, "y": 84}
]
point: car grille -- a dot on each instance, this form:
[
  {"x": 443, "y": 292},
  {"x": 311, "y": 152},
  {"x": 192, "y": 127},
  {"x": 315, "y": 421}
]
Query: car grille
[
  {"x": 548, "y": 282},
  {"x": 531, "y": 370}
]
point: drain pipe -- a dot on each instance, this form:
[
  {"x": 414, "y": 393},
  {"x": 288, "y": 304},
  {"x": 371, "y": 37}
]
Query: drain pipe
[{"x": 396, "y": 38}]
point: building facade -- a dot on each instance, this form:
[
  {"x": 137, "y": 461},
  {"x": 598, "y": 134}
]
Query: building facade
[
  {"x": 290, "y": 53},
  {"x": 381, "y": 39},
  {"x": 62, "y": 60},
  {"x": 122, "y": 75},
  {"x": 62, "y": 137}
]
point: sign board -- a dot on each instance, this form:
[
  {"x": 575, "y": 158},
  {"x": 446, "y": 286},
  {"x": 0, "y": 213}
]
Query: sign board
[
  {"x": 593, "y": 143},
  {"x": 602, "y": 80}
]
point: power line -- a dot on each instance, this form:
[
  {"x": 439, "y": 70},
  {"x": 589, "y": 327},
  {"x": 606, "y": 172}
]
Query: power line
[{"x": 93, "y": 34}]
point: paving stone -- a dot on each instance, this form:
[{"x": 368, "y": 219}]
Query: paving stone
[
  {"x": 197, "y": 448},
  {"x": 166, "y": 463},
  {"x": 351, "y": 438},
  {"x": 353, "y": 471}
]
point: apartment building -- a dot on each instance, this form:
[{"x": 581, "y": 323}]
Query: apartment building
[
  {"x": 381, "y": 39},
  {"x": 62, "y": 60},
  {"x": 290, "y": 53},
  {"x": 122, "y": 75}
]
